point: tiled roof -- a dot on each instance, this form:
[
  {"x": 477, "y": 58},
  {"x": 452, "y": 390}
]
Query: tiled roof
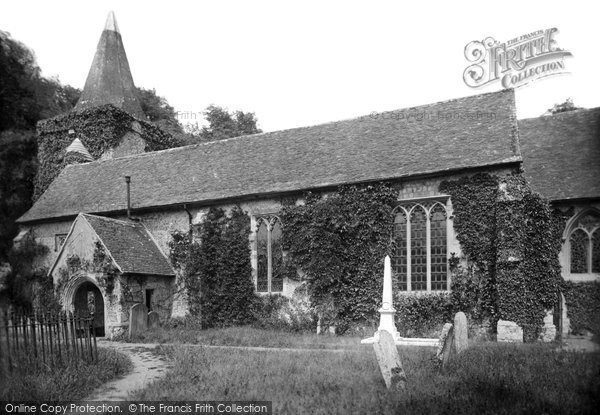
[
  {"x": 462, "y": 133},
  {"x": 130, "y": 245},
  {"x": 561, "y": 154}
]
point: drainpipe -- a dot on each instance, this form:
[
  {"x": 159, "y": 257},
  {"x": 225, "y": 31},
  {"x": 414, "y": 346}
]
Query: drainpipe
[{"x": 128, "y": 182}]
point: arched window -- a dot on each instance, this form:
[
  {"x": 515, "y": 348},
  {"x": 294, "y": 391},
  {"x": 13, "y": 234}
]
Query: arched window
[
  {"x": 584, "y": 244},
  {"x": 269, "y": 272},
  {"x": 439, "y": 261},
  {"x": 419, "y": 256},
  {"x": 579, "y": 251},
  {"x": 418, "y": 249},
  {"x": 399, "y": 253}
]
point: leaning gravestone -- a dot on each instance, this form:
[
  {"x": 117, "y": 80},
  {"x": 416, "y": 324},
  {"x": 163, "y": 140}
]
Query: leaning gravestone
[
  {"x": 153, "y": 320},
  {"x": 461, "y": 336},
  {"x": 389, "y": 361},
  {"x": 138, "y": 319},
  {"x": 446, "y": 344}
]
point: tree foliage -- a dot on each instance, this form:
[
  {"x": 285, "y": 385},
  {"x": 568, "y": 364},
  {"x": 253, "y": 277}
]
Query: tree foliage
[
  {"x": 222, "y": 125},
  {"x": 158, "y": 110},
  {"x": 565, "y": 106},
  {"x": 25, "y": 98}
]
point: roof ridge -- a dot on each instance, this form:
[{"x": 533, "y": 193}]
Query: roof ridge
[
  {"x": 119, "y": 221},
  {"x": 266, "y": 133}
]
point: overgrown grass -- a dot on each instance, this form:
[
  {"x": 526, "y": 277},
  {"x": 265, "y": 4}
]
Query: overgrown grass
[
  {"x": 245, "y": 336},
  {"x": 70, "y": 381},
  {"x": 487, "y": 378}
]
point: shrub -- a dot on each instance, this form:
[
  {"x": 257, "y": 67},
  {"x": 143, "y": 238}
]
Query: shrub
[
  {"x": 583, "y": 305},
  {"x": 280, "y": 313},
  {"x": 422, "y": 315}
]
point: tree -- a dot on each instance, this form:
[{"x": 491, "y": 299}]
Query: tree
[
  {"x": 566, "y": 106},
  {"x": 158, "y": 110},
  {"x": 25, "y": 98},
  {"x": 222, "y": 125}
]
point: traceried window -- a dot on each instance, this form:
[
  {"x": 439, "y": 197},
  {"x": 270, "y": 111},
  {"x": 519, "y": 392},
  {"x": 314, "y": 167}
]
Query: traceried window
[
  {"x": 269, "y": 255},
  {"x": 419, "y": 258},
  {"x": 584, "y": 242}
]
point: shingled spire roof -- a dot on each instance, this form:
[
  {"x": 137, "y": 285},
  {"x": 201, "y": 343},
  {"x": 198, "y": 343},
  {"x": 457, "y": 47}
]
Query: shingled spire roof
[
  {"x": 109, "y": 80},
  {"x": 77, "y": 147}
]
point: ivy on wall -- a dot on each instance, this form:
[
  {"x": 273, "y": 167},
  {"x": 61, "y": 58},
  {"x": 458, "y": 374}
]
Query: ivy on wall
[
  {"x": 98, "y": 128},
  {"x": 510, "y": 234},
  {"x": 339, "y": 242},
  {"x": 216, "y": 269},
  {"x": 583, "y": 305},
  {"x": 474, "y": 201}
]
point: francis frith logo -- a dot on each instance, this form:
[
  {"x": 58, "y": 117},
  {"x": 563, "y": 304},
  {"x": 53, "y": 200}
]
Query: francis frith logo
[{"x": 514, "y": 63}]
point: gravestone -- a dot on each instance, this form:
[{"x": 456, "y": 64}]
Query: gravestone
[
  {"x": 446, "y": 345},
  {"x": 509, "y": 331},
  {"x": 461, "y": 332},
  {"x": 138, "y": 319},
  {"x": 548, "y": 333},
  {"x": 389, "y": 362},
  {"x": 153, "y": 320}
]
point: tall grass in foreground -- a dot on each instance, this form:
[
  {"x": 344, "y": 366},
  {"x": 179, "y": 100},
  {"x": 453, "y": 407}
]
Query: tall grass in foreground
[
  {"x": 487, "y": 378},
  {"x": 245, "y": 336},
  {"x": 67, "y": 380}
]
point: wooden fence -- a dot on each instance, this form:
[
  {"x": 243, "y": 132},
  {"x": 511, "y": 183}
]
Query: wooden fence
[{"x": 45, "y": 338}]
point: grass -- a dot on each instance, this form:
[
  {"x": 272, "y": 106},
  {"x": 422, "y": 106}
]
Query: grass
[
  {"x": 487, "y": 378},
  {"x": 245, "y": 336},
  {"x": 70, "y": 381}
]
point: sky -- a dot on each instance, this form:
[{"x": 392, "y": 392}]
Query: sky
[{"x": 300, "y": 63}]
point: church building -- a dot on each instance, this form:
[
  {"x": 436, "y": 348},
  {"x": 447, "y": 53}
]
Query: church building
[{"x": 111, "y": 190}]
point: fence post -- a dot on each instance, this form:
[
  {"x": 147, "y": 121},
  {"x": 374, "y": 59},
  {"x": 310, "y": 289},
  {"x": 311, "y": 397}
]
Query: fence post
[
  {"x": 13, "y": 320},
  {"x": 7, "y": 331},
  {"x": 94, "y": 336},
  {"x": 33, "y": 339},
  {"x": 40, "y": 317}
]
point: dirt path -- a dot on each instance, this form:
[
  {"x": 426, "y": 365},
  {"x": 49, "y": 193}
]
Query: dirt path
[{"x": 147, "y": 367}]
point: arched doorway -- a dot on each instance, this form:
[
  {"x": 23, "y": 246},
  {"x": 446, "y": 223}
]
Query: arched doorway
[{"x": 88, "y": 300}]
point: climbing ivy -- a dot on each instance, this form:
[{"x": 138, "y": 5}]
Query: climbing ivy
[
  {"x": 510, "y": 234},
  {"x": 583, "y": 305},
  {"x": 474, "y": 203},
  {"x": 98, "y": 128},
  {"x": 103, "y": 263},
  {"x": 339, "y": 242},
  {"x": 216, "y": 269}
]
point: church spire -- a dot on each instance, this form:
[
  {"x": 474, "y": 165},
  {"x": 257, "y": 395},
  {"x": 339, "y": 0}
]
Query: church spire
[{"x": 109, "y": 80}]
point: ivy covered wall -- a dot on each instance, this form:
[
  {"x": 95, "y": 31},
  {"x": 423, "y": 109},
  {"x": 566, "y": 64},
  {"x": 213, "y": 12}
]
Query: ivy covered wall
[
  {"x": 99, "y": 129},
  {"x": 511, "y": 235}
]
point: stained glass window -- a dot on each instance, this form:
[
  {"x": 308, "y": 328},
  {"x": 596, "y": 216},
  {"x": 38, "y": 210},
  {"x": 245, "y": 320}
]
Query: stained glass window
[{"x": 579, "y": 251}]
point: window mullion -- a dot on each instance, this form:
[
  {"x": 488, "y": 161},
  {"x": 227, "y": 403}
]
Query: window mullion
[
  {"x": 590, "y": 251},
  {"x": 269, "y": 257},
  {"x": 408, "y": 254},
  {"x": 428, "y": 247}
]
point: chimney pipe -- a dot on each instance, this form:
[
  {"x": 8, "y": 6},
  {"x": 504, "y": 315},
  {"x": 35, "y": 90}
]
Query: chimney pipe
[{"x": 128, "y": 181}]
